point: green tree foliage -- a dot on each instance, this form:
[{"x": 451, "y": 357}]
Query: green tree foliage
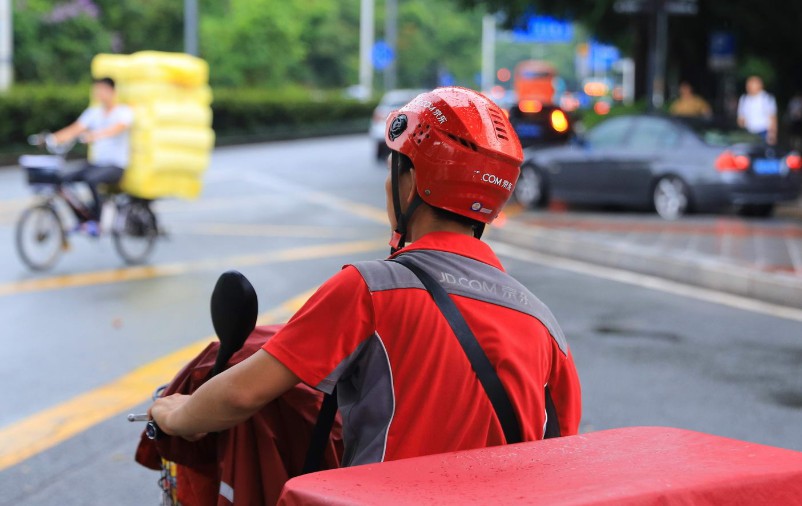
[
  {"x": 254, "y": 42},
  {"x": 143, "y": 24},
  {"x": 434, "y": 38},
  {"x": 55, "y": 42},
  {"x": 267, "y": 43},
  {"x": 330, "y": 39}
]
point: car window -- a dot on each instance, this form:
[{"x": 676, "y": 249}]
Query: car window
[
  {"x": 717, "y": 132},
  {"x": 653, "y": 134},
  {"x": 724, "y": 138},
  {"x": 611, "y": 133}
]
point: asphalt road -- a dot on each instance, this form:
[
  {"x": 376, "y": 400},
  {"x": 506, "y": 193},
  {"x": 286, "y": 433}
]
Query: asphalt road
[{"x": 288, "y": 215}]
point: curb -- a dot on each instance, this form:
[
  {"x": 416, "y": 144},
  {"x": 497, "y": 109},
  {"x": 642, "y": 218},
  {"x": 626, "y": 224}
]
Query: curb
[{"x": 688, "y": 269}]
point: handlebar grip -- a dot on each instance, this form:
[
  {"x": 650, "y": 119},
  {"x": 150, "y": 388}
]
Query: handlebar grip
[{"x": 153, "y": 431}]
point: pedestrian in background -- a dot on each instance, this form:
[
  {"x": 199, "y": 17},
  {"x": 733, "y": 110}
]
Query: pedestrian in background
[
  {"x": 689, "y": 104},
  {"x": 757, "y": 111}
]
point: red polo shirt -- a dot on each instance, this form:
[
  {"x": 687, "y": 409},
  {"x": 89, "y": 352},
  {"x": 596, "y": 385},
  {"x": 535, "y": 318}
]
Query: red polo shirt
[{"x": 409, "y": 387}]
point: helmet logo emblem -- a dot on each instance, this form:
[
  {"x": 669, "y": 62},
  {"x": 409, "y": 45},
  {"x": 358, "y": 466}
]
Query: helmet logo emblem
[
  {"x": 398, "y": 126},
  {"x": 476, "y": 206}
]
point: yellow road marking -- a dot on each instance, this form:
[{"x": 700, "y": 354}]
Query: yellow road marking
[
  {"x": 37, "y": 433},
  {"x": 13, "y": 205},
  {"x": 180, "y": 268},
  {"x": 11, "y": 209},
  {"x": 207, "y": 204},
  {"x": 368, "y": 212},
  {"x": 259, "y": 230}
]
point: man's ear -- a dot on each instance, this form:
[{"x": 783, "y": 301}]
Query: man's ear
[{"x": 413, "y": 187}]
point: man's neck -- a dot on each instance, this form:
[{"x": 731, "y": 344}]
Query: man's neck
[{"x": 424, "y": 221}]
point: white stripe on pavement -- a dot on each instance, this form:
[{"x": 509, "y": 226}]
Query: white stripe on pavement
[{"x": 646, "y": 281}]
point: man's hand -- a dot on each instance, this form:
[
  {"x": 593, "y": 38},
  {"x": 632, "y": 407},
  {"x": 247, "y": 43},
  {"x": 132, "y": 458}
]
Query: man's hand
[
  {"x": 226, "y": 400},
  {"x": 163, "y": 413}
]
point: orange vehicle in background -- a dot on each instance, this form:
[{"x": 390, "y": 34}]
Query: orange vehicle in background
[
  {"x": 534, "y": 80},
  {"x": 537, "y": 120}
]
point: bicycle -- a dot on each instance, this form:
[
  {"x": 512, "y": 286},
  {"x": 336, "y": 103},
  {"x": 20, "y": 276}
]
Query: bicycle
[{"x": 41, "y": 236}]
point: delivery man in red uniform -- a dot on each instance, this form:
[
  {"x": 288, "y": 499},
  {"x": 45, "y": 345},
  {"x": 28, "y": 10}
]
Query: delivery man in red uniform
[{"x": 376, "y": 334}]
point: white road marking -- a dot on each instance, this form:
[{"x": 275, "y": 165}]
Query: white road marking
[
  {"x": 794, "y": 254},
  {"x": 368, "y": 212},
  {"x": 651, "y": 282}
]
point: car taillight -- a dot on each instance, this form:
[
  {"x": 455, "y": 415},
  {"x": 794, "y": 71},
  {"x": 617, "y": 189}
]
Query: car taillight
[
  {"x": 559, "y": 121},
  {"x": 727, "y": 162},
  {"x": 793, "y": 161},
  {"x": 530, "y": 106}
]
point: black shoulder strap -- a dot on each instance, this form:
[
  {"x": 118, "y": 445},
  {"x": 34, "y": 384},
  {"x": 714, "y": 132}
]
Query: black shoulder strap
[
  {"x": 481, "y": 364},
  {"x": 321, "y": 432}
]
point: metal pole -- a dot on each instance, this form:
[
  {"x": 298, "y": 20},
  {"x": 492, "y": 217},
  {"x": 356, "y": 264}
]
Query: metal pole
[
  {"x": 488, "y": 51},
  {"x": 366, "y": 36},
  {"x": 191, "y": 27},
  {"x": 391, "y": 37},
  {"x": 652, "y": 58},
  {"x": 661, "y": 47},
  {"x": 628, "y": 78},
  {"x": 6, "y": 46}
]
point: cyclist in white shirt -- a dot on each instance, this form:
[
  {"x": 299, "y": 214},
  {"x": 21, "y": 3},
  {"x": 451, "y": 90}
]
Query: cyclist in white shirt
[
  {"x": 106, "y": 127},
  {"x": 757, "y": 111}
]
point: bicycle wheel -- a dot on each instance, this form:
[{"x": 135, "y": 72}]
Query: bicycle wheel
[
  {"x": 135, "y": 232},
  {"x": 40, "y": 237}
]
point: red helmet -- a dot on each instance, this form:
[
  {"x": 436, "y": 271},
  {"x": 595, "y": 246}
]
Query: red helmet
[{"x": 465, "y": 152}]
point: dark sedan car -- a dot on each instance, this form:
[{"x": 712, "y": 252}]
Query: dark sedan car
[
  {"x": 540, "y": 124},
  {"x": 663, "y": 163},
  {"x": 537, "y": 123}
]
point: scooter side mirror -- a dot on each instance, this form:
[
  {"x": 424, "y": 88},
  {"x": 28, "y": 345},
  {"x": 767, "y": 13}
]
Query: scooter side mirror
[{"x": 234, "y": 308}]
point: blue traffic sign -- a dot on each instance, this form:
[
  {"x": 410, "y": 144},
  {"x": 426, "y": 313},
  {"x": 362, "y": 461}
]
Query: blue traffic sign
[
  {"x": 721, "y": 53},
  {"x": 602, "y": 56},
  {"x": 382, "y": 55},
  {"x": 722, "y": 44},
  {"x": 544, "y": 29}
]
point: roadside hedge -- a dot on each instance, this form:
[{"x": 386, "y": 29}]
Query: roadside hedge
[
  {"x": 242, "y": 115},
  {"x": 239, "y": 115},
  {"x": 25, "y": 110}
]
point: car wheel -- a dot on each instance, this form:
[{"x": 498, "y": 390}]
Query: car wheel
[
  {"x": 756, "y": 210},
  {"x": 530, "y": 190},
  {"x": 671, "y": 198}
]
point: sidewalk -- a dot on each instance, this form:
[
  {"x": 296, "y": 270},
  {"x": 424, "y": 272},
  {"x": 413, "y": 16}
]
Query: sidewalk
[{"x": 759, "y": 259}]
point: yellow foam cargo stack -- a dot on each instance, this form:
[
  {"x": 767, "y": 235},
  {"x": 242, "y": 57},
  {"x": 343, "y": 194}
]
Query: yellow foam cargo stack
[{"x": 172, "y": 136}]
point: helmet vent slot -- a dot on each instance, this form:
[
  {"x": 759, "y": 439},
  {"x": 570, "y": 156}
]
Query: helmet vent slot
[
  {"x": 465, "y": 143},
  {"x": 498, "y": 123}
]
